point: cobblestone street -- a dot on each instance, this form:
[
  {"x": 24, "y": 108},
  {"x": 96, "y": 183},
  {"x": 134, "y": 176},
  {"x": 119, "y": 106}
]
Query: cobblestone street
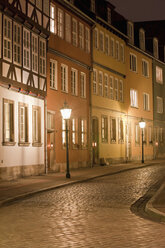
[{"x": 95, "y": 213}]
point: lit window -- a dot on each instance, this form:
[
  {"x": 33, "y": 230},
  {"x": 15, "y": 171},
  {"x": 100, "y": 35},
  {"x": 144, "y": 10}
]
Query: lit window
[
  {"x": 134, "y": 98},
  {"x": 83, "y": 133},
  {"x": 113, "y": 130},
  {"x": 101, "y": 40},
  {"x": 42, "y": 57},
  {"x": 112, "y": 47},
  {"x": 104, "y": 129},
  {"x": 159, "y": 105},
  {"x": 34, "y": 53},
  {"x": 116, "y": 96},
  {"x": 121, "y": 131},
  {"x": 74, "y": 32},
  {"x": 145, "y": 68},
  {"x": 75, "y": 133},
  {"x": 8, "y": 121},
  {"x": 23, "y": 123},
  {"x": 53, "y": 25},
  {"x": 17, "y": 43},
  {"x": 159, "y": 75},
  {"x": 87, "y": 40},
  {"x": 26, "y": 49},
  {"x": 7, "y": 39},
  {"x": 100, "y": 83},
  {"x": 117, "y": 50},
  {"x": 94, "y": 82},
  {"x": 130, "y": 32},
  {"x": 64, "y": 131},
  {"x": 64, "y": 78},
  {"x": 121, "y": 91},
  {"x": 74, "y": 83},
  {"x": 133, "y": 63},
  {"x": 107, "y": 45},
  {"x": 106, "y": 85},
  {"x": 122, "y": 53},
  {"x": 60, "y": 23},
  {"x": 67, "y": 28},
  {"x": 150, "y": 135},
  {"x": 111, "y": 88},
  {"x": 96, "y": 41},
  {"x": 137, "y": 134},
  {"x": 53, "y": 74},
  {"x": 81, "y": 35},
  {"x": 50, "y": 121},
  {"x": 146, "y": 105},
  {"x": 36, "y": 124}
]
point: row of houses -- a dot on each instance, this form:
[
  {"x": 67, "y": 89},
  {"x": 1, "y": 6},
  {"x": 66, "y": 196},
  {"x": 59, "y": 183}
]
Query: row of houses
[{"x": 109, "y": 70}]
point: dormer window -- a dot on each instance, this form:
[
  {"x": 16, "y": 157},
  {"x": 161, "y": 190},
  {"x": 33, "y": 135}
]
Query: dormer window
[
  {"x": 93, "y": 7},
  {"x": 142, "y": 39},
  {"x": 109, "y": 15},
  {"x": 155, "y": 48},
  {"x": 130, "y": 32}
]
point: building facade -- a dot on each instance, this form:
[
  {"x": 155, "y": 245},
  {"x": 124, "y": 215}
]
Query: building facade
[{"x": 24, "y": 29}]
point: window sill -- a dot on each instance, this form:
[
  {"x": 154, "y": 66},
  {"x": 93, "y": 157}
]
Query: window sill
[
  {"x": 8, "y": 143},
  {"x": 37, "y": 144},
  {"x": 23, "y": 143},
  {"x": 52, "y": 88}
]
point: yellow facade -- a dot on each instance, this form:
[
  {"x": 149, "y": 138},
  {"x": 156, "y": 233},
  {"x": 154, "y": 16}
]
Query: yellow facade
[{"x": 108, "y": 99}]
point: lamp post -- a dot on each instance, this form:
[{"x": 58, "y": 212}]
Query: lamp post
[
  {"x": 142, "y": 125},
  {"x": 66, "y": 113}
]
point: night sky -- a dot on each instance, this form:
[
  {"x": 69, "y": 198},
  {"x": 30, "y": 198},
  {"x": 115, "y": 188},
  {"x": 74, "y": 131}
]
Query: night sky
[{"x": 140, "y": 10}]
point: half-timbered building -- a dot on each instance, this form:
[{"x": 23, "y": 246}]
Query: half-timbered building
[{"x": 24, "y": 30}]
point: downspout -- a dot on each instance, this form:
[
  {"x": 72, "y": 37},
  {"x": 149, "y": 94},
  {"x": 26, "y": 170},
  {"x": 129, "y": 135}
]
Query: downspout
[{"x": 45, "y": 124}]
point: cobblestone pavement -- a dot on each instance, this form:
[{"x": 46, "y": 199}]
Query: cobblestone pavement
[{"x": 92, "y": 214}]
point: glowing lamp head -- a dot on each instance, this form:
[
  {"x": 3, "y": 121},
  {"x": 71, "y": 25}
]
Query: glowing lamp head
[
  {"x": 142, "y": 123},
  {"x": 66, "y": 112}
]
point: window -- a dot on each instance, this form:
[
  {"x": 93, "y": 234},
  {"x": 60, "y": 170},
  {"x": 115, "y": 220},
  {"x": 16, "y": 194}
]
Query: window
[
  {"x": 150, "y": 135},
  {"x": 100, "y": 83},
  {"x": 75, "y": 133},
  {"x": 116, "y": 97},
  {"x": 161, "y": 135},
  {"x": 156, "y": 134},
  {"x": 81, "y": 35},
  {"x": 107, "y": 45},
  {"x": 64, "y": 78},
  {"x": 159, "y": 101},
  {"x": 145, "y": 68},
  {"x": 67, "y": 28},
  {"x": 53, "y": 25},
  {"x": 134, "y": 98},
  {"x": 26, "y": 49},
  {"x": 113, "y": 130},
  {"x": 42, "y": 57},
  {"x": 93, "y": 5},
  {"x": 17, "y": 43},
  {"x": 109, "y": 15},
  {"x": 146, "y": 105},
  {"x": 121, "y": 91},
  {"x": 101, "y": 40},
  {"x": 112, "y": 48},
  {"x": 50, "y": 120},
  {"x": 155, "y": 48},
  {"x": 122, "y": 53},
  {"x": 94, "y": 82},
  {"x": 111, "y": 88},
  {"x": 64, "y": 131},
  {"x": 8, "y": 121},
  {"x": 53, "y": 74},
  {"x": 130, "y": 32},
  {"x": 137, "y": 134},
  {"x": 74, "y": 83},
  {"x": 145, "y": 135},
  {"x": 83, "y": 85},
  {"x": 121, "y": 131},
  {"x": 87, "y": 40},
  {"x": 34, "y": 53},
  {"x": 142, "y": 39},
  {"x": 159, "y": 75},
  {"x": 60, "y": 23},
  {"x": 96, "y": 42},
  {"x": 36, "y": 125},
  {"x": 7, "y": 39},
  {"x": 106, "y": 85},
  {"x": 117, "y": 50},
  {"x": 133, "y": 63},
  {"x": 74, "y": 32},
  {"x": 104, "y": 129},
  {"x": 83, "y": 129},
  {"x": 23, "y": 123}
]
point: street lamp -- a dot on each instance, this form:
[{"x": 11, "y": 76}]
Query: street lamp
[
  {"x": 142, "y": 125},
  {"x": 66, "y": 113}
]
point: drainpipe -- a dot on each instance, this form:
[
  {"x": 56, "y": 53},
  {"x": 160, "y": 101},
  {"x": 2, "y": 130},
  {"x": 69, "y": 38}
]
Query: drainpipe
[{"x": 45, "y": 124}]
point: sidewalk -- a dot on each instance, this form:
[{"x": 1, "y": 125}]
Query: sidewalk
[{"x": 16, "y": 189}]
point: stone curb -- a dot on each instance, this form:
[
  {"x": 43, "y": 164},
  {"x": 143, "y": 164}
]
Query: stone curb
[{"x": 149, "y": 209}]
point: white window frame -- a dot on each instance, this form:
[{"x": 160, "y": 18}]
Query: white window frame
[
  {"x": 81, "y": 35},
  {"x": 134, "y": 98},
  {"x": 121, "y": 131},
  {"x": 36, "y": 125},
  {"x": 87, "y": 40},
  {"x": 17, "y": 43},
  {"x": 64, "y": 78},
  {"x": 101, "y": 41},
  {"x": 67, "y": 27},
  {"x": 7, "y": 39},
  {"x": 74, "y": 82},
  {"x": 137, "y": 134},
  {"x": 111, "y": 85},
  {"x": 113, "y": 132},
  {"x": 107, "y": 44},
  {"x": 142, "y": 39},
  {"x": 74, "y": 133},
  {"x": 82, "y": 84},
  {"x": 53, "y": 74},
  {"x": 34, "y": 53},
  {"x": 133, "y": 62},
  {"x": 145, "y": 68},
  {"x": 117, "y": 51},
  {"x": 100, "y": 83},
  {"x": 26, "y": 49},
  {"x": 122, "y": 54},
  {"x": 146, "y": 102},
  {"x": 155, "y": 48},
  {"x": 116, "y": 85},
  {"x": 94, "y": 81},
  {"x": 159, "y": 75},
  {"x": 160, "y": 107},
  {"x": 53, "y": 21},
  {"x": 23, "y": 123},
  {"x": 60, "y": 23},
  {"x": 106, "y": 85},
  {"x": 130, "y": 32},
  {"x": 96, "y": 38},
  {"x": 112, "y": 47},
  {"x": 83, "y": 133},
  {"x": 42, "y": 61},
  {"x": 121, "y": 91},
  {"x": 74, "y": 32},
  {"x": 150, "y": 136},
  {"x": 104, "y": 129},
  {"x": 8, "y": 121}
]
